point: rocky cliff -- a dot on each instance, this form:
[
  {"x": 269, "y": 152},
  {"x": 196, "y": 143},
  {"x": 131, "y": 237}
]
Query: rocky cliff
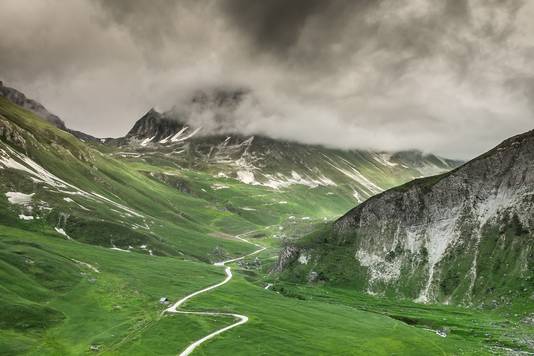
[
  {"x": 465, "y": 236},
  {"x": 154, "y": 127}
]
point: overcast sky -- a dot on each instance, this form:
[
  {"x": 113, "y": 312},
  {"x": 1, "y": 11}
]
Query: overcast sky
[{"x": 447, "y": 76}]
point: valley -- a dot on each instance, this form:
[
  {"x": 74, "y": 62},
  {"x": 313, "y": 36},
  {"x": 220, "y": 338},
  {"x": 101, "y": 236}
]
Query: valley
[{"x": 115, "y": 246}]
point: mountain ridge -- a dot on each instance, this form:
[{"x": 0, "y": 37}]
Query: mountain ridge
[
  {"x": 260, "y": 160},
  {"x": 95, "y": 239},
  {"x": 37, "y": 108},
  {"x": 18, "y": 98},
  {"x": 465, "y": 236}
]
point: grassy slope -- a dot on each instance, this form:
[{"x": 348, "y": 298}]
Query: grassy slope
[
  {"x": 62, "y": 306},
  {"x": 52, "y": 304},
  {"x": 481, "y": 329},
  {"x": 279, "y": 324},
  {"x": 118, "y": 309},
  {"x": 183, "y": 222}
]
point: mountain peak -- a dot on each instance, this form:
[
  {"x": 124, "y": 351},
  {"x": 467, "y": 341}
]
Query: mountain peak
[
  {"x": 154, "y": 126},
  {"x": 153, "y": 111}
]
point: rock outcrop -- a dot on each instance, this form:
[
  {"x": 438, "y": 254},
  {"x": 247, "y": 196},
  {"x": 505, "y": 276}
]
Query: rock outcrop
[{"x": 463, "y": 236}]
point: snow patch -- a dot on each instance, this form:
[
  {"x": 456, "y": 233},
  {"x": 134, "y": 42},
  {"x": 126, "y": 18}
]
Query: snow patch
[
  {"x": 218, "y": 186},
  {"x": 120, "y": 206},
  {"x": 69, "y": 200},
  {"x": 19, "y": 198},
  {"x": 357, "y": 196},
  {"x": 279, "y": 181},
  {"x": 165, "y": 139},
  {"x": 118, "y": 249},
  {"x": 178, "y": 139},
  {"x": 146, "y": 141},
  {"x": 384, "y": 159},
  {"x": 50, "y": 179},
  {"x": 178, "y": 134},
  {"x": 303, "y": 259},
  {"x": 62, "y": 232},
  {"x": 246, "y": 177},
  {"x": 354, "y": 174}
]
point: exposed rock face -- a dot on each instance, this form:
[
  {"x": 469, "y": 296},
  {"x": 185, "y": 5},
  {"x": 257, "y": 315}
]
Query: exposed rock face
[
  {"x": 458, "y": 237},
  {"x": 154, "y": 126},
  {"x": 10, "y": 134},
  {"x": 287, "y": 255}
]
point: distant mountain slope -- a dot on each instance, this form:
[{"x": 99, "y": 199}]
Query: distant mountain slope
[
  {"x": 38, "y": 109},
  {"x": 52, "y": 182},
  {"x": 133, "y": 191},
  {"x": 466, "y": 236},
  {"x": 262, "y": 161},
  {"x": 18, "y": 98},
  {"x": 163, "y": 177}
]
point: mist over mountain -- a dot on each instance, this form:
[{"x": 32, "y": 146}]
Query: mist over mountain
[{"x": 450, "y": 77}]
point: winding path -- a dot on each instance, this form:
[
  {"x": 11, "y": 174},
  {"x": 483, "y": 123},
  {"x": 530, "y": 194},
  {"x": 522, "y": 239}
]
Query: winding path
[{"x": 242, "y": 318}]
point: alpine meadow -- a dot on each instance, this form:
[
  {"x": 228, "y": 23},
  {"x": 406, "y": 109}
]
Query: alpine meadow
[{"x": 266, "y": 177}]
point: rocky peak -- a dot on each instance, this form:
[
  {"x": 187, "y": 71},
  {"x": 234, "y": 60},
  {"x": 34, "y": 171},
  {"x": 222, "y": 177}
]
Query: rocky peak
[
  {"x": 155, "y": 126},
  {"x": 217, "y": 103}
]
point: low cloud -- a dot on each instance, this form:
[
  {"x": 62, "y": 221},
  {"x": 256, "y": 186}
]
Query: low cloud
[{"x": 452, "y": 77}]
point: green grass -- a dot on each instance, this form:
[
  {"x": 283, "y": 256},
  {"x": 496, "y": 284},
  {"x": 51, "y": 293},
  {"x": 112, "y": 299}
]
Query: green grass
[
  {"x": 280, "y": 324},
  {"x": 475, "y": 328},
  {"x": 118, "y": 309},
  {"x": 65, "y": 307},
  {"x": 53, "y": 303}
]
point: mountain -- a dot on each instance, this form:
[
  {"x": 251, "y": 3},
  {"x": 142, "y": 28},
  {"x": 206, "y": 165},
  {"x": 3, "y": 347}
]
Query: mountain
[
  {"x": 38, "y": 109},
  {"x": 175, "y": 138},
  {"x": 95, "y": 239},
  {"x": 18, "y": 98},
  {"x": 154, "y": 126},
  {"x": 466, "y": 236},
  {"x": 199, "y": 185}
]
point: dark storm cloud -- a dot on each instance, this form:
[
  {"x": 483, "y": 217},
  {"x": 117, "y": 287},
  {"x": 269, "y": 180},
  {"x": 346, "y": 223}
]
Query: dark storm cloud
[
  {"x": 313, "y": 30},
  {"x": 451, "y": 76},
  {"x": 272, "y": 25}
]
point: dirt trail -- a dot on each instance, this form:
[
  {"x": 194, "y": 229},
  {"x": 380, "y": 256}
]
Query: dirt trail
[{"x": 242, "y": 319}]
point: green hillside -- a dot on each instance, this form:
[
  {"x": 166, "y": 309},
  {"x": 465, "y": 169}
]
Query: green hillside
[{"x": 93, "y": 235}]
